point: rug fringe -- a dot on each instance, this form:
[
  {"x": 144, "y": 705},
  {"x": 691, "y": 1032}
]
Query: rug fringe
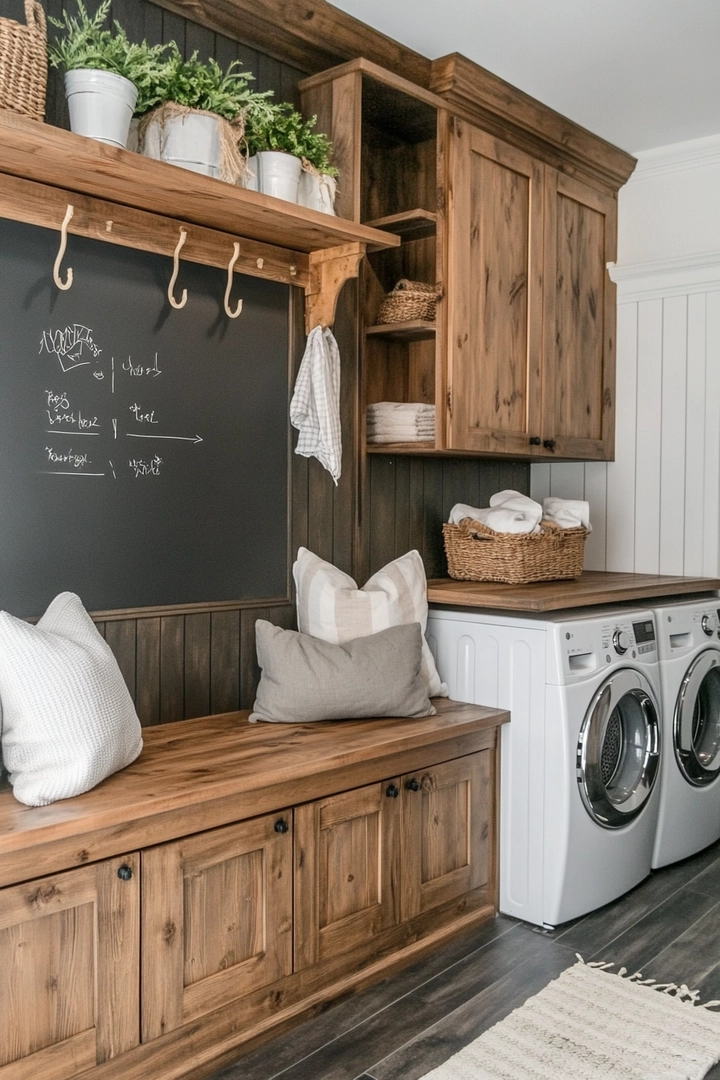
[{"x": 680, "y": 991}]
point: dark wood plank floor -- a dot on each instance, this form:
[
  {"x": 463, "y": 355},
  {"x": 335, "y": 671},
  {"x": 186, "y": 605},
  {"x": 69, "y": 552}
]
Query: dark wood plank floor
[{"x": 668, "y": 927}]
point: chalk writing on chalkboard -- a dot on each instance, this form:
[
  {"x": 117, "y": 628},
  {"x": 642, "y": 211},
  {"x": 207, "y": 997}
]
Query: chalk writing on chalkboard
[{"x": 67, "y": 417}]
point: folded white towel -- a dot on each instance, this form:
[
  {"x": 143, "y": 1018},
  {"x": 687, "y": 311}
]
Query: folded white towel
[
  {"x": 515, "y": 500},
  {"x": 315, "y": 405},
  {"x": 393, "y": 437},
  {"x": 398, "y": 408},
  {"x": 567, "y": 513},
  {"x": 407, "y": 429}
]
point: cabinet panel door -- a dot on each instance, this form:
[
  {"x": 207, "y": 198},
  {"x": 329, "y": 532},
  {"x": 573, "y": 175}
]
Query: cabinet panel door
[
  {"x": 494, "y": 286},
  {"x": 446, "y": 832},
  {"x": 217, "y": 919},
  {"x": 346, "y": 870},
  {"x": 69, "y": 971},
  {"x": 579, "y": 363}
]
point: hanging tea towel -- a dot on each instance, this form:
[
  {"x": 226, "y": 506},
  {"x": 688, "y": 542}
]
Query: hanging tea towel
[{"x": 315, "y": 405}]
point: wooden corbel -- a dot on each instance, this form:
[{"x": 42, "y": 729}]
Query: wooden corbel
[{"x": 329, "y": 270}]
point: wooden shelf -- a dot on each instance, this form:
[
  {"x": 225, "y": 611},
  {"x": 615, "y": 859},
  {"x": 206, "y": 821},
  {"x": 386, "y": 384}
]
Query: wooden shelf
[
  {"x": 409, "y": 225},
  {"x": 412, "y": 330},
  {"x": 54, "y": 156},
  {"x": 132, "y": 200}
]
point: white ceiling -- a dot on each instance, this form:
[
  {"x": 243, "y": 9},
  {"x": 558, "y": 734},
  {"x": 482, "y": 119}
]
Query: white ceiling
[{"x": 640, "y": 73}]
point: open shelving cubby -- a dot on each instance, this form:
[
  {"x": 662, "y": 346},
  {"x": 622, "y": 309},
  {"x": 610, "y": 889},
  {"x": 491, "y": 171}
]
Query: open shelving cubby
[{"x": 398, "y": 193}]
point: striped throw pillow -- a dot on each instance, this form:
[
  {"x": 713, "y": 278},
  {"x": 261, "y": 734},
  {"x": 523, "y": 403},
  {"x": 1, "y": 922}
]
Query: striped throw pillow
[{"x": 330, "y": 605}]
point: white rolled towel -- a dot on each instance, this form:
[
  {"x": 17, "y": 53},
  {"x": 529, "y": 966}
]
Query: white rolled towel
[
  {"x": 520, "y": 504},
  {"x": 567, "y": 513}
]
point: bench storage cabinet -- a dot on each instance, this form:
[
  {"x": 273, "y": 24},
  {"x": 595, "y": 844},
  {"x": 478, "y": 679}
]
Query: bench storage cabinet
[{"x": 233, "y": 879}]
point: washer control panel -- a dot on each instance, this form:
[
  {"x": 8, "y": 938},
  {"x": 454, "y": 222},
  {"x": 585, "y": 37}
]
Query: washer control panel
[{"x": 588, "y": 646}]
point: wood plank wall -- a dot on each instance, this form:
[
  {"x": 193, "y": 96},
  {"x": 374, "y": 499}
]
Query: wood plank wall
[
  {"x": 182, "y": 665},
  {"x": 655, "y": 509}
]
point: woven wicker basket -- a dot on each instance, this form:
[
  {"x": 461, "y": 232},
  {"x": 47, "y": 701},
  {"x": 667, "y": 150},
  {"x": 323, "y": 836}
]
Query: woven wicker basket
[
  {"x": 476, "y": 553},
  {"x": 408, "y": 300},
  {"x": 23, "y": 63}
]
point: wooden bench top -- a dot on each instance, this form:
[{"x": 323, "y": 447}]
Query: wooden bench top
[{"x": 197, "y": 774}]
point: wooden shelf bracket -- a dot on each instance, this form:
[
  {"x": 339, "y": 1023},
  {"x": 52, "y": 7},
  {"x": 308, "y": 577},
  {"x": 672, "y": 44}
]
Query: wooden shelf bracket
[{"x": 329, "y": 270}]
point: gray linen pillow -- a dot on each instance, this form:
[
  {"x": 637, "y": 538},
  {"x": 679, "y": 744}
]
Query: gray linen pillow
[{"x": 304, "y": 678}]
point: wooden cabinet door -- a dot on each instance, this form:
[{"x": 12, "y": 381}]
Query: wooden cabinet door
[
  {"x": 216, "y": 919},
  {"x": 494, "y": 290},
  {"x": 69, "y": 970},
  {"x": 346, "y": 870},
  {"x": 447, "y": 826},
  {"x": 579, "y": 360}
]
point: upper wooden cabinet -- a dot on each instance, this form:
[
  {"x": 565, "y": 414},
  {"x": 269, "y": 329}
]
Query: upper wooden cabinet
[
  {"x": 510, "y": 211},
  {"x": 531, "y": 311}
]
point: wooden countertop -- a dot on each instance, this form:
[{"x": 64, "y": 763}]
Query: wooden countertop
[
  {"x": 199, "y": 774},
  {"x": 592, "y": 587}
]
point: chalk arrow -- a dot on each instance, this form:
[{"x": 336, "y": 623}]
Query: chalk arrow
[{"x": 180, "y": 438}]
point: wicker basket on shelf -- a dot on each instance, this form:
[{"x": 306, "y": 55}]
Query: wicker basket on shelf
[
  {"x": 477, "y": 553},
  {"x": 408, "y": 300},
  {"x": 23, "y": 63}
]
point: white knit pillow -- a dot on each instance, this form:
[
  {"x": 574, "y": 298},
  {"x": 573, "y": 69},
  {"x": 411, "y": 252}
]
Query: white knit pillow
[
  {"x": 68, "y": 718},
  {"x": 330, "y": 605}
]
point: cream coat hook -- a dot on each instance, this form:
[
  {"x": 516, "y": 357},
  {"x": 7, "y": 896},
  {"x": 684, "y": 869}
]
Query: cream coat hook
[
  {"x": 63, "y": 244},
  {"x": 232, "y": 314},
  {"x": 176, "y": 269}
]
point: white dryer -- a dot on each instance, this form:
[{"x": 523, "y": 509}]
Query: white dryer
[
  {"x": 580, "y": 756},
  {"x": 689, "y": 656}
]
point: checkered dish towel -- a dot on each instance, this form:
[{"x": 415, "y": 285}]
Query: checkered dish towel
[{"x": 315, "y": 405}]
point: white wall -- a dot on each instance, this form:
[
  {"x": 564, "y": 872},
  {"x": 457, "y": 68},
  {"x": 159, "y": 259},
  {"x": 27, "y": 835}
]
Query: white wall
[{"x": 656, "y": 508}]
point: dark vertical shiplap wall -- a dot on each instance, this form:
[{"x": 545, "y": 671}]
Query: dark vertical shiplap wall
[{"x": 183, "y": 665}]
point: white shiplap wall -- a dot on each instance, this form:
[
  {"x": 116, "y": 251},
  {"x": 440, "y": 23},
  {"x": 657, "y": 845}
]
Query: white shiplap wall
[{"x": 656, "y": 508}]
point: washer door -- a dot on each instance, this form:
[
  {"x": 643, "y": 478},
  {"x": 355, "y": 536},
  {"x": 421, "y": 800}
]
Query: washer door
[
  {"x": 696, "y": 723},
  {"x": 619, "y": 749}
]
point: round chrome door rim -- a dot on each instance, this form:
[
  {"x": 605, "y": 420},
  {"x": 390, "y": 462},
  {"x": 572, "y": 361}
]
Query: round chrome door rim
[
  {"x": 698, "y": 758},
  {"x": 614, "y": 805}
]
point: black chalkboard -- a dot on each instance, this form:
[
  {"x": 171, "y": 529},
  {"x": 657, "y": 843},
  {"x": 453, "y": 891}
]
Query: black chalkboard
[{"x": 143, "y": 450}]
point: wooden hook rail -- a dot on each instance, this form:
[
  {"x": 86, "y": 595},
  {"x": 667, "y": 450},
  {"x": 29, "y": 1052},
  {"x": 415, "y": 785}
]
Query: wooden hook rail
[{"x": 120, "y": 197}]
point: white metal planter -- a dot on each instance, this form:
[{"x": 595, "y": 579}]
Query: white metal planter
[
  {"x": 317, "y": 191},
  {"x": 279, "y": 174},
  {"x": 190, "y": 140},
  {"x": 101, "y": 104}
]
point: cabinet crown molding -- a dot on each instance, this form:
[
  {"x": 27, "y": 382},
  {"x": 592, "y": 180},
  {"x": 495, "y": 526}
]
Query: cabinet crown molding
[{"x": 491, "y": 101}]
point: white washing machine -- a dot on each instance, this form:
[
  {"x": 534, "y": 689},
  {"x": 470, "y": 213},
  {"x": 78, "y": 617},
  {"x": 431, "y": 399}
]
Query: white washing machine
[
  {"x": 689, "y": 657},
  {"x": 580, "y": 756}
]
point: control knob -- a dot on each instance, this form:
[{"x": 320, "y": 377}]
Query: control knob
[
  {"x": 621, "y": 641},
  {"x": 709, "y": 624}
]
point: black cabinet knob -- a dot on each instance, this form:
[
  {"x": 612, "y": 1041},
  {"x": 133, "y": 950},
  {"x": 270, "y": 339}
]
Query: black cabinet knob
[
  {"x": 125, "y": 873},
  {"x": 282, "y": 826},
  {"x": 549, "y": 444},
  {"x": 392, "y": 792},
  {"x": 534, "y": 440},
  {"x": 412, "y": 785}
]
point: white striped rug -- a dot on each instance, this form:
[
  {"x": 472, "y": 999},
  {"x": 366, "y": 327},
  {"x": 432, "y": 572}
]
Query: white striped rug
[{"x": 590, "y": 1024}]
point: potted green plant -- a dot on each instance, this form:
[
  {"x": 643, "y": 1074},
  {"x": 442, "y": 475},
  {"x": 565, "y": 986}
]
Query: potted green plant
[
  {"x": 318, "y": 180},
  {"x": 275, "y": 141},
  {"x": 107, "y": 76},
  {"x": 201, "y": 115}
]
